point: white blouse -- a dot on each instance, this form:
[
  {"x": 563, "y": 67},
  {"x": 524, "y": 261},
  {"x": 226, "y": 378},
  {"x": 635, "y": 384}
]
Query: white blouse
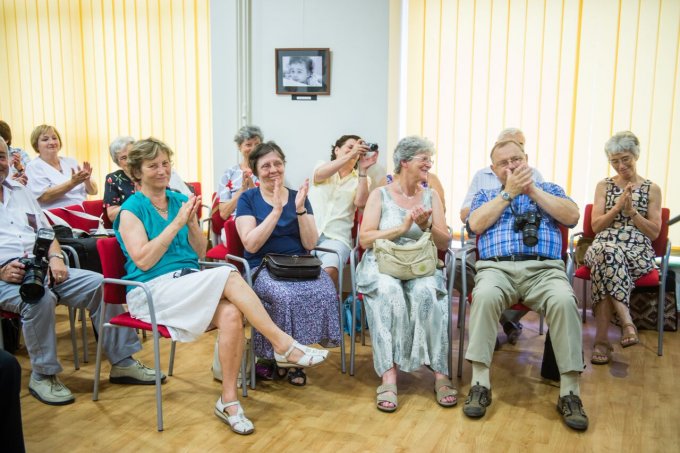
[{"x": 42, "y": 176}]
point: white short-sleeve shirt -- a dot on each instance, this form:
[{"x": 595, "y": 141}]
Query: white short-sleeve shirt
[
  {"x": 20, "y": 219},
  {"x": 42, "y": 176}
]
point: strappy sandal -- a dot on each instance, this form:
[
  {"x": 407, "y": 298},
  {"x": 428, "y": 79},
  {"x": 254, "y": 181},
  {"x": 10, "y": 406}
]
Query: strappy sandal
[
  {"x": 387, "y": 393},
  {"x": 238, "y": 422},
  {"x": 443, "y": 387},
  {"x": 629, "y": 339},
  {"x": 601, "y": 355},
  {"x": 297, "y": 373},
  {"x": 311, "y": 357}
]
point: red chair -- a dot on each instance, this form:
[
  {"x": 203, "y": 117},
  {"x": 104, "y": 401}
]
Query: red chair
[
  {"x": 113, "y": 260},
  {"x": 96, "y": 208},
  {"x": 196, "y": 186},
  {"x": 518, "y": 306},
  {"x": 219, "y": 250},
  {"x": 662, "y": 250}
]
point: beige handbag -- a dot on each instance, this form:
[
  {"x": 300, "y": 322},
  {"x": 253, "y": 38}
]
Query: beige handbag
[{"x": 408, "y": 261}]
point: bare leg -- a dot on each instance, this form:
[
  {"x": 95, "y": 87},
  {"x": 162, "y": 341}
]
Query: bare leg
[
  {"x": 624, "y": 316},
  {"x": 603, "y": 318},
  {"x": 333, "y": 273},
  {"x": 244, "y": 298},
  {"x": 229, "y": 320}
]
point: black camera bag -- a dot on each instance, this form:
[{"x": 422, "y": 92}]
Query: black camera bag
[{"x": 85, "y": 247}]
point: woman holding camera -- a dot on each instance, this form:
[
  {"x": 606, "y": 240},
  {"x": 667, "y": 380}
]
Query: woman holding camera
[
  {"x": 338, "y": 189},
  {"x": 626, "y": 218},
  {"x": 408, "y": 319},
  {"x": 56, "y": 181},
  {"x": 274, "y": 219},
  {"x": 162, "y": 241}
]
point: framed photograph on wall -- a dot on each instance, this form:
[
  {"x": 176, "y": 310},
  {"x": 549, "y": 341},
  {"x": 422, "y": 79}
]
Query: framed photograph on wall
[{"x": 303, "y": 71}]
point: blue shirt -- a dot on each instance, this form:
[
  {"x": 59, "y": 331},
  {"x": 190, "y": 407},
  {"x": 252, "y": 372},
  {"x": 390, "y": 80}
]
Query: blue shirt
[
  {"x": 501, "y": 239},
  {"x": 286, "y": 235},
  {"x": 179, "y": 254}
]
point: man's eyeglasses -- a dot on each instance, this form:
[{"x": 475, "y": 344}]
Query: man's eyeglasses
[{"x": 511, "y": 161}]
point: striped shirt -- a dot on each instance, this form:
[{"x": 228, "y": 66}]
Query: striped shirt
[{"x": 501, "y": 239}]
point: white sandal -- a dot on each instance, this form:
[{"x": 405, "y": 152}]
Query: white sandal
[
  {"x": 311, "y": 357},
  {"x": 238, "y": 423}
]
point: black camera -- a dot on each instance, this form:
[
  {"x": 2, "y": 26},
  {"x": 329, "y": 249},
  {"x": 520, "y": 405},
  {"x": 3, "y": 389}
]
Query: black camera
[
  {"x": 371, "y": 146},
  {"x": 33, "y": 285},
  {"x": 528, "y": 224}
]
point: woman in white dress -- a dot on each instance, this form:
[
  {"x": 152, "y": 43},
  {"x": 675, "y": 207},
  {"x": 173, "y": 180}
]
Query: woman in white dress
[
  {"x": 56, "y": 181},
  {"x": 162, "y": 241}
]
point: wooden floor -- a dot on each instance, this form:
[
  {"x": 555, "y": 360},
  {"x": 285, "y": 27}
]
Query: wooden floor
[{"x": 632, "y": 404}]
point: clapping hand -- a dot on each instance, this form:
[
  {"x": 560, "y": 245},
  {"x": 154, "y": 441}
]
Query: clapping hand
[
  {"x": 301, "y": 196},
  {"x": 83, "y": 174},
  {"x": 188, "y": 210},
  {"x": 277, "y": 204},
  {"x": 247, "y": 180},
  {"x": 520, "y": 180},
  {"x": 421, "y": 216}
]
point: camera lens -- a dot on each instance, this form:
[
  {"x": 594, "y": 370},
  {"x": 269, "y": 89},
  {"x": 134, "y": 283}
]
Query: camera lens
[
  {"x": 32, "y": 287},
  {"x": 530, "y": 234}
]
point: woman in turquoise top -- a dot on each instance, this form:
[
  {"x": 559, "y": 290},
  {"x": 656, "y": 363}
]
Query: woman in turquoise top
[{"x": 160, "y": 236}]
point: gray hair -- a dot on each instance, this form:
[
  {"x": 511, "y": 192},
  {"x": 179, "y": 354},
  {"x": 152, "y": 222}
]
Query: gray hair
[
  {"x": 621, "y": 142},
  {"x": 246, "y": 133},
  {"x": 117, "y": 145},
  {"x": 509, "y": 132},
  {"x": 3, "y": 143},
  {"x": 408, "y": 148}
]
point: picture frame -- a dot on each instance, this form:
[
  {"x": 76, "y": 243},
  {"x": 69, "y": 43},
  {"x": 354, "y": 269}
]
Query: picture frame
[{"x": 303, "y": 71}]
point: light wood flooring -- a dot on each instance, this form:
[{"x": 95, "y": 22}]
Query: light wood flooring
[{"x": 633, "y": 405}]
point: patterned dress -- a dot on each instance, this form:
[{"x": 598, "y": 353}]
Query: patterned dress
[
  {"x": 408, "y": 320},
  {"x": 621, "y": 253}
]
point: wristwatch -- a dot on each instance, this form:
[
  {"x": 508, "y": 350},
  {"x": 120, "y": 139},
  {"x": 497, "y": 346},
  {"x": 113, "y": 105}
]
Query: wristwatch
[{"x": 506, "y": 196}]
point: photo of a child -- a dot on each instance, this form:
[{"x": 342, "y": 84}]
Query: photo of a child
[{"x": 302, "y": 71}]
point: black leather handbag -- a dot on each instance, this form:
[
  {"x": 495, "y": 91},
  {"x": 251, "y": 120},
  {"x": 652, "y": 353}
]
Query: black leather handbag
[{"x": 290, "y": 267}]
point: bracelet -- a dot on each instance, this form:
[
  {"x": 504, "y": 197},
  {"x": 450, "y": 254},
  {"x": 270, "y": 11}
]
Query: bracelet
[
  {"x": 634, "y": 215},
  {"x": 301, "y": 213},
  {"x": 55, "y": 255},
  {"x": 362, "y": 176}
]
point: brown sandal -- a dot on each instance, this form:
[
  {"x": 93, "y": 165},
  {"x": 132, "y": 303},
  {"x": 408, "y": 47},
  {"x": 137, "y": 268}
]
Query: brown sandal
[
  {"x": 629, "y": 339},
  {"x": 444, "y": 388},
  {"x": 603, "y": 355}
]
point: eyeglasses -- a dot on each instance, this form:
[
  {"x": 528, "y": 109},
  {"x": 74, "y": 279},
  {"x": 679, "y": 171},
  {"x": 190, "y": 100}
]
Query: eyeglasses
[
  {"x": 424, "y": 160},
  {"x": 624, "y": 160},
  {"x": 511, "y": 161},
  {"x": 268, "y": 166}
]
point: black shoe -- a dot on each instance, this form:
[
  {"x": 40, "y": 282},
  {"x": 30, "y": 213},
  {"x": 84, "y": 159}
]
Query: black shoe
[
  {"x": 513, "y": 331},
  {"x": 571, "y": 408},
  {"x": 477, "y": 401},
  {"x": 498, "y": 344}
]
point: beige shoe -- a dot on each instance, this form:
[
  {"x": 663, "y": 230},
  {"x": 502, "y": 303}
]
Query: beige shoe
[
  {"x": 50, "y": 390},
  {"x": 238, "y": 423},
  {"x": 135, "y": 374}
]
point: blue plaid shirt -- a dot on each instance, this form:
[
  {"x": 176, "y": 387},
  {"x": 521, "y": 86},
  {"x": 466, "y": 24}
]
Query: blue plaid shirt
[{"x": 501, "y": 239}]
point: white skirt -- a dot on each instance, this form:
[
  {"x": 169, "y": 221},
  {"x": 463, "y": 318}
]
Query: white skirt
[{"x": 185, "y": 305}]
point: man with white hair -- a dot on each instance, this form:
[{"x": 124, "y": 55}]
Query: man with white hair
[{"x": 485, "y": 178}]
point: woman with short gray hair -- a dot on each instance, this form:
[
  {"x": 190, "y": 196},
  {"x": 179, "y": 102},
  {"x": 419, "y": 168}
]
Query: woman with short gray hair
[
  {"x": 407, "y": 318},
  {"x": 239, "y": 178},
  {"x": 626, "y": 218}
]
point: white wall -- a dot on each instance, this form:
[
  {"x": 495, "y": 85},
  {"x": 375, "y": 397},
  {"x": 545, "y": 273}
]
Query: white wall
[{"x": 356, "y": 31}]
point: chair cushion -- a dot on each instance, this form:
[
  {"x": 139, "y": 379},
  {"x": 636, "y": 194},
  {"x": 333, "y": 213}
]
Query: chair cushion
[
  {"x": 125, "y": 320},
  {"x": 218, "y": 252},
  {"x": 649, "y": 279},
  {"x": 583, "y": 273}
]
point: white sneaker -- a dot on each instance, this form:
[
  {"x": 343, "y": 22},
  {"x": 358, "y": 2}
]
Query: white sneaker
[{"x": 50, "y": 390}]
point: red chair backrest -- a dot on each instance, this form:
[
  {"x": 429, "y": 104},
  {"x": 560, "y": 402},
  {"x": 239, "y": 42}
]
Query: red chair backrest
[
  {"x": 587, "y": 222},
  {"x": 96, "y": 208},
  {"x": 196, "y": 186},
  {"x": 659, "y": 244},
  {"x": 73, "y": 220},
  {"x": 216, "y": 222},
  {"x": 113, "y": 262},
  {"x": 234, "y": 244}
]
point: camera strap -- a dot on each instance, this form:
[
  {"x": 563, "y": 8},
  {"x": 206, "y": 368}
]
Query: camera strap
[{"x": 9, "y": 261}]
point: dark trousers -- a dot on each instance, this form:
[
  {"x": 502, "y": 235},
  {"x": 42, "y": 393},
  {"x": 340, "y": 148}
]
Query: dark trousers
[{"x": 10, "y": 410}]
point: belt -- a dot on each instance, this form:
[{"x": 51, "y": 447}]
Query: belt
[{"x": 517, "y": 258}]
